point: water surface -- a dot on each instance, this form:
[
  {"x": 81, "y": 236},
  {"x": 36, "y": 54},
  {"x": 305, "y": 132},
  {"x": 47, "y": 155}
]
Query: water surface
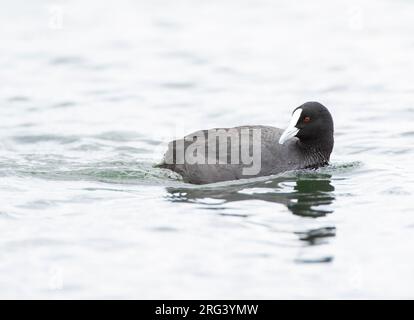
[{"x": 91, "y": 93}]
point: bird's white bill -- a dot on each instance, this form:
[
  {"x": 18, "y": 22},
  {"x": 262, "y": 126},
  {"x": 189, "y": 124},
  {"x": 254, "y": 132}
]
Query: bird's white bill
[{"x": 291, "y": 130}]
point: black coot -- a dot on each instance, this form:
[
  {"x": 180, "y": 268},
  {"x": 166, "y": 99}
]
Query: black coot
[{"x": 215, "y": 155}]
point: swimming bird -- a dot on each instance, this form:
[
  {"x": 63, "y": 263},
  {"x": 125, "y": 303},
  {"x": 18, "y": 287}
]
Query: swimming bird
[{"x": 222, "y": 154}]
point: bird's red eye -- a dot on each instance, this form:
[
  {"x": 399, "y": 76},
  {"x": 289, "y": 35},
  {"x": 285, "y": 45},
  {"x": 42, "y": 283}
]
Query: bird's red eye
[{"x": 306, "y": 119}]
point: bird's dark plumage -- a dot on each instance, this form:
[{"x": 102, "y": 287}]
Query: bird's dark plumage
[{"x": 306, "y": 143}]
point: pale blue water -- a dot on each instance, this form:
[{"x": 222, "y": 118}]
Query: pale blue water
[{"x": 90, "y": 92}]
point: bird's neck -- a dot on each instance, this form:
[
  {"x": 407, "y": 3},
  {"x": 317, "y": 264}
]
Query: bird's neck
[{"x": 317, "y": 152}]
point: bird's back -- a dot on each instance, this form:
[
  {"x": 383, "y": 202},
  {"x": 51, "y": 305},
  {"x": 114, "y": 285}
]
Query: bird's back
[{"x": 222, "y": 154}]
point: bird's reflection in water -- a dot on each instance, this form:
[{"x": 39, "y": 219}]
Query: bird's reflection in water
[
  {"x": 306, "y": 195},
  {"x": 309, "y": 197}
]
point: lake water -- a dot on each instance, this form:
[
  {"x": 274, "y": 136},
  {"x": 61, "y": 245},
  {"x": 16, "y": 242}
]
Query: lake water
[{"x": 91, "y": 92}]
